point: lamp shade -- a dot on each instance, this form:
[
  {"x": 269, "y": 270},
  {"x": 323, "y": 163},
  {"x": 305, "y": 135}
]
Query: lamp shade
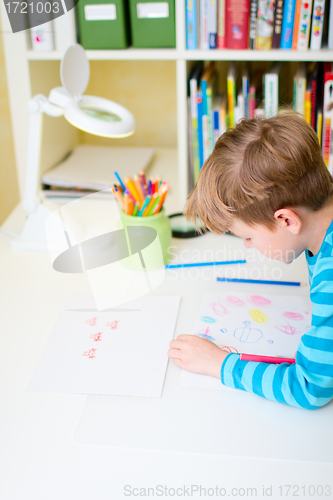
[{"x": 91, "y": 114}]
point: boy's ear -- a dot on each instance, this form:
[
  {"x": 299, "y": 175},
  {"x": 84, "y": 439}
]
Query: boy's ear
[{"x": 288, "y": 219}]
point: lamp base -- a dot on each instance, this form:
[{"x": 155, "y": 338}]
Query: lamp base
[{"x": 33, "y": 237}]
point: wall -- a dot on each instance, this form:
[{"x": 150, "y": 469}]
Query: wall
[{"x": 9, "y": 194}]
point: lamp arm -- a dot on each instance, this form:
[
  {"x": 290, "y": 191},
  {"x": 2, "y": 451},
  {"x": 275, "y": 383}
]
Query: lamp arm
[{"x": 37, "y": 106}]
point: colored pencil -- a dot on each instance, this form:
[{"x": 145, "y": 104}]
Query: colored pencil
[
  {"x": 123, "y": 187},
  {"x": 266, "y": 359},
  {"x": 262, "y": 282},
  {"x": 132, "y": 189},
  {"x": 149, "y": 187},
  {"x": 139, "y": 189},
  {"x": 144, "y": 206},
  {"x": 136, "y": 208},
  {"x": 202, "y": 264},
  {"x": 142, "y": 175},
  {"x": 154, "y": 205},
  {"x": 118, "y": 197},
  {"x": 159, "y": 206},
  {"x": 151, "y": 203}
]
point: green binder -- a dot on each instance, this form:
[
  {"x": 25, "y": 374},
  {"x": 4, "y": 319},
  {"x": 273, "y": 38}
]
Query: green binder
[
  {"x": 103, "y": 24},
  {"x": 152, "y": 23}
]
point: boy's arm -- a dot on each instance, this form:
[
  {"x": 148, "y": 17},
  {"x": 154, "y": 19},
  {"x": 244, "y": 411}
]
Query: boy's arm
[{"x": 307, "y": 384}]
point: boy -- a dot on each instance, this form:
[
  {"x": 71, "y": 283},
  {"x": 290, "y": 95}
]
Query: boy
[{"x": 266, "y": 182}]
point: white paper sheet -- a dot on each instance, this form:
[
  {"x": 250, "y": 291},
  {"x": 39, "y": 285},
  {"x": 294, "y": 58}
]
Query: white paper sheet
[
  {"x": 122, "y": 351},
  {"x": 269, "y": 325}
]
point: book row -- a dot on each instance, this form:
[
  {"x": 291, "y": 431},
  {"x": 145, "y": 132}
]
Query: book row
[
  {"x": 255, "y": 93},
  {"x": 259, "y": 24}
]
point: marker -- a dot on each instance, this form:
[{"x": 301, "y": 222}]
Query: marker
[
  {"x": 266, "y": 359},
  {"x": 262, "y": 282},
  {"x": 201, "y": 264}
]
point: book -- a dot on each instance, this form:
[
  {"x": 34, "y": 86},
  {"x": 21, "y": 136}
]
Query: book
[
  {"x": 313, "y": 75},
  {"x": 216, "y": 107},
  {"x": 303, "y": 35},
  {"x": 231, "y": 89},
  {"x": 296, "y": 24},
  {"x": 327, "y": 115},
  {"x": 288, "y": 24},
  {"x": 277, "y": 26},
  {"x": 255, "y": 92},
  {"x": 223, "y": 120},
  {"x": 92, "y": 167},
  {"x": 205, "y": 86},
  {"x": 317, "y": 24},
  {"x": 330, "y": 28},
  {"x": 200, "y": 134},
  {"x": 237, "y": 24},
  {"x": 265, "y": 20},
  {"x": 194, "y": 84},
  {"x": 271, "y": 89},
  {"x": 245, "y": 91},
  {"x": 191, "y": 24},
  {"x": 221, "y": 24},
  {"x": 299, "y": 85},
  {"x": 253, "y": 24},
  {"x": 204, "y": 13},
  {"x": 190, "y": 170},
  {"x": 212, "y": 24},
  {"x": 65, "y": 30}
]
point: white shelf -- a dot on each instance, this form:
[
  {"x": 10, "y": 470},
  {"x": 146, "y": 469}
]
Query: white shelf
[{"x": 191, "y": 55}]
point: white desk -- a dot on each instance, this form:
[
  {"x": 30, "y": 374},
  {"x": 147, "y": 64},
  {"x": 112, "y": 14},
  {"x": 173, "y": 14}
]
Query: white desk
[{"x": 39, "y": 459}]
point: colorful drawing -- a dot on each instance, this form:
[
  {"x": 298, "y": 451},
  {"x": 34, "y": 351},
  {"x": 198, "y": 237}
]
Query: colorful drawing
[
  {"x": 219, "y": 309},
  {"x": 206, "y": 335},
  {"x": 223, "y": 330},
  {"x": 208, "y": 319},
  {"x": 293, "y": 315},
  {"x": 258, "y": 300},
  {"x": 270, "y": 341},
  {"x": 96, "y": 337},
  {"x": 228, "y": 348},
  {"x": 91, "y": 321},
  {"x": 247, "y": 334},
  {"x": 91, "y": 354},
  {"x": 235, "y": 301},
  {"x": 289, "y": 329},
  {"x": 113, "y": 324},
  {"x": 258, "y": 316}
]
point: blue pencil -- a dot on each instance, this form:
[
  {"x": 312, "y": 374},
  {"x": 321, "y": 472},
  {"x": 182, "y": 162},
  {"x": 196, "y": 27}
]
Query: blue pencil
[
  {"x": 200, "y": 264},
  {"x": 262, "y": 282},
  {"x": 120, "y": 182}
]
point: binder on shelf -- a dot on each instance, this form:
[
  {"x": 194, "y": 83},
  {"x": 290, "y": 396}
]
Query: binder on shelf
[
  {"x": 103, "y": 25},
  {"x": 152, "y": 24}
]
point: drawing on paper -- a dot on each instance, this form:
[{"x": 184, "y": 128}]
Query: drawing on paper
[
  {"x": 288, "y": 329},
  {"x": 248, "y": 334},
  {"x": 91, "y": 321},
  {"x": 113, "y": 324},
  {"x": 223, "y": 330},
  {"x": 235, "y": 301},
  {"x": 293, "y": 315},
  {"x": 258, "y": 300},
  {"x": 219, "y": 309},
  {"x": 208, "y": 319},
  {"x": 206, "y": 334},
  {"x": 258, "y": 316},
  {"x": 228, "y": 348},
  {"x": 91, "y": 354},
  {"x": 96, "y": 337}
]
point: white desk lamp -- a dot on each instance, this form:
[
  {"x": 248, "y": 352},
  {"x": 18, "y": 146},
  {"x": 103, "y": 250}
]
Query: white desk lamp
[{"x": 91, "y": 114}]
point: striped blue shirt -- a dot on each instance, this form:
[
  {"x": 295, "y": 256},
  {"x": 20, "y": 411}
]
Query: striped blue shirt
[{"x": 309, "y": 382}]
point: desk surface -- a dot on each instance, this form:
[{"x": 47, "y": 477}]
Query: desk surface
[{"x": 38, "y": 456}]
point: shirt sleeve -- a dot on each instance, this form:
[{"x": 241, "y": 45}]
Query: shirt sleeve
[{"x": 308, "y": 383}]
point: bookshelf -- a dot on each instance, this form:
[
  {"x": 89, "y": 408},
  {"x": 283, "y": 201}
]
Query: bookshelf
[{"x": 30, "y": 72}]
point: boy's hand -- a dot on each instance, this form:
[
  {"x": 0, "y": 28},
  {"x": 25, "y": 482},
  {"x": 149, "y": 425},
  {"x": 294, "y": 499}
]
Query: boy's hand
[{"x": 197, "y": 355}]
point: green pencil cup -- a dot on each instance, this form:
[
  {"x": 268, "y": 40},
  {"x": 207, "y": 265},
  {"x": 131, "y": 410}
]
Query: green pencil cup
[{"x": 149, "y": 236}]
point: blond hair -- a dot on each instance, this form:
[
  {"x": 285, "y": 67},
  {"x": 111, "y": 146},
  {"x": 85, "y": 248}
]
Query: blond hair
[{"x": 258, "y": 167}]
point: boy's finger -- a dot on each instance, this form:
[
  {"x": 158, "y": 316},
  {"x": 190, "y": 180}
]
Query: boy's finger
[
  {"x": 174, "y": 353},
  {"x": 176, "y": 344},
  {"x": 183, "y": 336}
]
